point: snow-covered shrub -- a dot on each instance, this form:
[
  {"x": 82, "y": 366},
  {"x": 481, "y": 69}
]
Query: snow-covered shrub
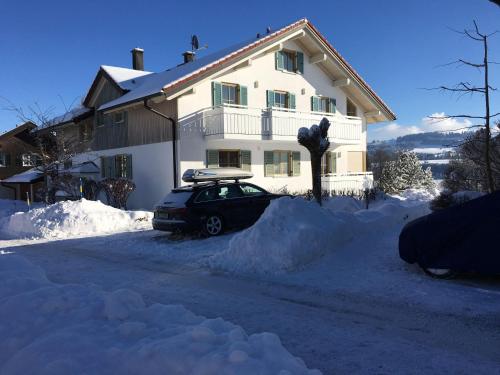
[
  {"x": 117, "y": 191},
  {"x": 405, "y": 173}
]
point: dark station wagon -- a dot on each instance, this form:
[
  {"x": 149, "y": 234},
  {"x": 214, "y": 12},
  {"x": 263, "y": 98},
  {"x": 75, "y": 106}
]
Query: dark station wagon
[{"x": 212, "y": 207}]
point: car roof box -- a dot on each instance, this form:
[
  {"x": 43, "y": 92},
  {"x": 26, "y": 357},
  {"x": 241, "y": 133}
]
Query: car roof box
[{"x": 215, "y": 174}]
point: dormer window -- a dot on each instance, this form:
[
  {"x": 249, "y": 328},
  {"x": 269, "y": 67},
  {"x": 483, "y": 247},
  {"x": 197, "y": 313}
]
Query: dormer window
[{"x": 289, "y": 61}]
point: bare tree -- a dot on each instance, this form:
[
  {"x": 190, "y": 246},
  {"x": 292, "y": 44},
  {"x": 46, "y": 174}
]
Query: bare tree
[
  {"x": 54, "y": 147},
  {"x": 463, "y": 88},
  {"x": 316, "y": 141}
]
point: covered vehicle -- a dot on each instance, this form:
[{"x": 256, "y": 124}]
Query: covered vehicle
[{"x": 462, "y": 238}]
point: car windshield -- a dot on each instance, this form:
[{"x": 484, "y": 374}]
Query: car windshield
[{"x": 219, "y": 192}]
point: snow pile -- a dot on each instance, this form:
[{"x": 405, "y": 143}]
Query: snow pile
[
  {"x": 294, "y": 232},
  {"x": 344, "y": 203},
  {"x": 289, "y": 234},
  {"x": 76, "y": 329},
  {"x": 74, "y": 218},
  {"x": 467, "y": 195}
]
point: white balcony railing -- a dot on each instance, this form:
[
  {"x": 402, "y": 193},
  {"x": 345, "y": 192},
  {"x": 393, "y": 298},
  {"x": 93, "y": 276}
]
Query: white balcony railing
[
  {"x": 346, "y": 182},
  {"x": 273, "y": 123}
]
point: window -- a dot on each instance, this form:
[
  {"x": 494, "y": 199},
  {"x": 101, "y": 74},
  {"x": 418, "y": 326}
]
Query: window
[
  {"x": 116, "y": 166},
  {"x": 99, "y": 119},
  {"x": 219, "y": 193},
  {"x": 4, "y": 159},
  {"x": 118, "y": 117},
  {"x": 229, "y": 159},
  {"x": 290, "y": 61},
  {"x": 281, "y": 163},
  {"x": 351, "y": 109},
  {"x": 30, "y": 160},
  {"x": 229, "y": 94},
  {"x": 85, "y": 131},
  {"x": 323, "y": 104},
  {"x": 329, "y": 163},
  {"x": 250, "y": 190},
  {"x": 280, "y": 99}
]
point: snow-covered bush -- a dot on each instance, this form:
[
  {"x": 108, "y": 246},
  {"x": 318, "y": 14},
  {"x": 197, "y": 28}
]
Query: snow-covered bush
[
  {"x": 117, "y": 191},
  {"x": 405, "y": 173}
]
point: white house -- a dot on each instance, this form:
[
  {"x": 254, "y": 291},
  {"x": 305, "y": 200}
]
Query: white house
[{"x": 239, "y": 107}]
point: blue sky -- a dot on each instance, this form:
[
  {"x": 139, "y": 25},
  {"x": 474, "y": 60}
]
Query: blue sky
[{"x": 52, "y": 49}]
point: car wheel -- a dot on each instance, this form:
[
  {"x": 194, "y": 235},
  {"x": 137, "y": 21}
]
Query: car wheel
[
  {"x": 440, "y": 273},
  {"x": 213, "y": 225}
]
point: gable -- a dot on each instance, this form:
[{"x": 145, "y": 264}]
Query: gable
[{"x": 103, "y": 90}]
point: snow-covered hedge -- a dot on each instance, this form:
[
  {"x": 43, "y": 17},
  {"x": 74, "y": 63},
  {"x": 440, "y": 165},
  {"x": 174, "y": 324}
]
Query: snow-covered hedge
[
  {"x": 73, "y": 218},
  {"x": 46, "y": 328}
]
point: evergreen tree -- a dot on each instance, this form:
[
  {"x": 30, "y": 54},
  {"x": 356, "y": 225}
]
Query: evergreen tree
[{"x": 405, "y": 173}]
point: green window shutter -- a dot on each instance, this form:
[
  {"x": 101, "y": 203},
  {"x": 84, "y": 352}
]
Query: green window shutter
[
  {"x": 332, "y": 103},
  {"x": 268, "y": 163},
  {"x": 246, "y": 160},
  {"x": 314, "y": 103},
  {"x": 216, "y": 94},
  {"x": 300, "y": 62},
  {"x": 291, "y": 101},
  {"x": 212, "y": 158},
  {"x": 128, "y": 159},
  {"x": 296, "y": 163},
  {"x": 279, "y": 60},
  {"x": 243, "y": 100},
  {"x": 270, "y": 98},
  {"x": 334, "y": 162},
  {"x": 7, "y": 160}
]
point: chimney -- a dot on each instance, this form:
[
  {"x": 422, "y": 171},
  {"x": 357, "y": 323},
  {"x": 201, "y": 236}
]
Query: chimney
[
  {"x": 137, "y": 59},
  {"x": 188, "y": 56}
]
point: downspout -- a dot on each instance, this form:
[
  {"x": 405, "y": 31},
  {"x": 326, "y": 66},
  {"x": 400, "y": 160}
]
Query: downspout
[{"x": 174, "y": 137}]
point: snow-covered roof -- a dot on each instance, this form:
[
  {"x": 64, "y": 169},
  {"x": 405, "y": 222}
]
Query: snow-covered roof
[
  {"x": 124, "y": 77},
  {"x": 69, "y": 116},
  {"x": 87, "y": 167},
  {"x": 153, "y": 83},
  {"x": 24, "y": 177}
]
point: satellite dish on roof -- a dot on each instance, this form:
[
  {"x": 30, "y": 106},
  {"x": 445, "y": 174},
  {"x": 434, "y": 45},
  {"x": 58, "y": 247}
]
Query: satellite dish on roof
[{"x": 194, "y": 43}]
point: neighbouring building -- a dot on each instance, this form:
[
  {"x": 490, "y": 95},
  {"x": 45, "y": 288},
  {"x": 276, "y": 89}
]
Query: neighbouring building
[
  {"x": 239, "y": 107},
  {"x": 17, "y": 157}
]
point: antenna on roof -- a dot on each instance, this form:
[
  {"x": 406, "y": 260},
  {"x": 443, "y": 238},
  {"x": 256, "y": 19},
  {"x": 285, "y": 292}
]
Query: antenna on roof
[
  {"x": 268, "y": 30},
  {"x": 195, "y": 44}
]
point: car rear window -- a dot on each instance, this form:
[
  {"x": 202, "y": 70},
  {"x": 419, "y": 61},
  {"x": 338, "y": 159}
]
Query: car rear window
[{"x": 176, "y": 199}]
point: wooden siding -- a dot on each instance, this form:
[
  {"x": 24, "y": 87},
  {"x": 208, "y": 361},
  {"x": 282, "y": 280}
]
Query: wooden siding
[
  {"x": 107, "y": 93},
  {"x": 140, "y": 127}
]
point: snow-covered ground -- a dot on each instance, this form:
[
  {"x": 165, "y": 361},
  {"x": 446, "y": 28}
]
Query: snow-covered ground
[{"x": 328, "y": 281}]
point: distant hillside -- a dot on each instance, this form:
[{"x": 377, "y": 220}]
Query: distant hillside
[
  {"x": 434, "y": 149},
  {"x": 421, "y": 140}
]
